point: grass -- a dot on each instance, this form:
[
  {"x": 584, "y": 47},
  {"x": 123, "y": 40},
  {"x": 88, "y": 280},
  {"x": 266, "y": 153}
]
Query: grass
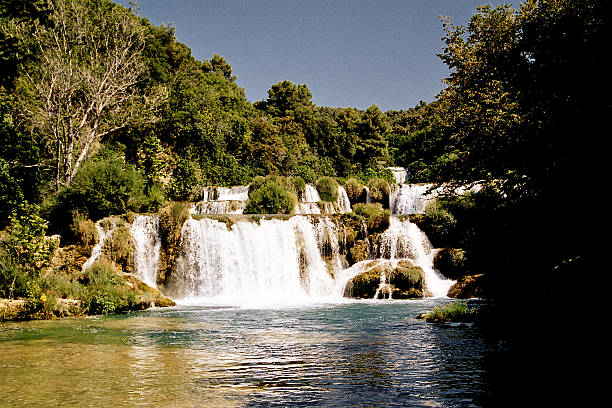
[{"x": 451, "y": 312}]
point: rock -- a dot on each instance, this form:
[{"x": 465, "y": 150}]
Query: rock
[
  {"x": 451, "y": 262},
  {"x": 403, "y": 281},
  {"x": 358, "y": 252},
  {"x": 469, "y": 286}
]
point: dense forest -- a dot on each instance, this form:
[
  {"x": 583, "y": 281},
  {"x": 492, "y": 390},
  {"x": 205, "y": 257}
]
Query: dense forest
[{"x": 102, "y": 112}]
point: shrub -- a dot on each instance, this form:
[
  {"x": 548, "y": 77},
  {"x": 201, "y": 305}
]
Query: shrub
[
  {"x": 354, "y": 190},
  {"x": 328, "y": 189},
  {"x": 106, "y": 291},
  {"x": 100, "y": 188},
  {"x": 84, "y": 230},
  {"x": 270, "y": 198},
  {"x": 452, "y": 312},
  {"x": 299, "y": 184},
  {"x": 379, "y": 190},
  {"x": 376, "y": 217}
]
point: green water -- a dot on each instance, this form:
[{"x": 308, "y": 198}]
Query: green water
[{"x": 370, "y": 353}]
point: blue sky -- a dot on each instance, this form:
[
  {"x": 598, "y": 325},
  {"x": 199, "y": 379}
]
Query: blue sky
[{"x": 349, "y": 53}]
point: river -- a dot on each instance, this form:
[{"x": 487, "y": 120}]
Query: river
[{"x": 349, "y": 353}]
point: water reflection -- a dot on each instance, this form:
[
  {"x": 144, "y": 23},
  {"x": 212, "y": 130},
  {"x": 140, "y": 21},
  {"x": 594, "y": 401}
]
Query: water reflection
[{"x": 361, "y": 354}]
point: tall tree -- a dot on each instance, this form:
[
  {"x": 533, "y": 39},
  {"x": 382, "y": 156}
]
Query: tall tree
[{"x": 89, "y": 60}]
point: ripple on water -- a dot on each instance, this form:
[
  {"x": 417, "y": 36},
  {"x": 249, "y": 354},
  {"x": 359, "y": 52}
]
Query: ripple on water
[{"x": 354, "y": 353}]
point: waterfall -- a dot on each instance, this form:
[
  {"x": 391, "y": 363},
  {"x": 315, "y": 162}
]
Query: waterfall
[
  {"x": 404, "y": 240},
  {"x": 145, "y": 230},
  {"x": 222, "y": 200},
  {"x": 344, "y": 204},
  {"x": 311, "y": 195},
  {"x": 273, "y": 259},
  {"x": 410, "y": 198},
  {"x": 294, "y": 259},
  {"x": 103, "y": 234},
  {"x": 399, "y": 173}
]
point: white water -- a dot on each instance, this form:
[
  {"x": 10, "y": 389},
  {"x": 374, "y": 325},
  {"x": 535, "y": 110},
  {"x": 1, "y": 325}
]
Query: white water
[
  {"x": 404, "y": 240},
  {"x": 344, "y": 204},
  {"x": 410, "y": 198},
  {"x": 103, "y": 234},
  {"x": 222, "y": 200},
  {"x": 273, "y": 260},
  {"x": 400, "y": 174},
  {"x": 145, "y": 230},
  {"x": 293, "y": 260}
]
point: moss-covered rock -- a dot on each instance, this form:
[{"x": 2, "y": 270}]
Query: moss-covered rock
[
  {"x": 451, "y": 262},
  {"x": 328, "y": 189},
  {"x": 355, "y": 191},
  {"x": 403, "y": 281},
  {"x": 379, "y": 191},
  {"x": 120, "y": 249},
  {"x": 358, "y": 251},
  {"x": 469, "y": 286},
  {"x": 377, "y": 218}
]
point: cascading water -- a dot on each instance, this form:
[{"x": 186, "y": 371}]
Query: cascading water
[
  {"x": 222, "y": 200},
  {"x": 103, "y": 234},
  {"x": 344, "y": 204},
  {"x": 250, "y": 262},
  {"x": 409, "y": 198},
  {"x": 404, "y": 240},
  {"x": 145, "y": 230}
]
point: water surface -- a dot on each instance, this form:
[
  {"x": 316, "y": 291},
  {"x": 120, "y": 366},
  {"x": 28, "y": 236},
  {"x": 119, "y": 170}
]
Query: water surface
[{"x": 357, "y": 353}]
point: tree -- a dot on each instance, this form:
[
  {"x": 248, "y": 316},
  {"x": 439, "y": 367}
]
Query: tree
[
  {"x": 285, "y": 99},
  {"x": 89, "y": 61},
  {"x": 219, "y": 66},
  {"x": 372, "y": 145}
]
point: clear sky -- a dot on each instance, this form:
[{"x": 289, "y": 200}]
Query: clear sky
[{"x": 349, "y": 52}]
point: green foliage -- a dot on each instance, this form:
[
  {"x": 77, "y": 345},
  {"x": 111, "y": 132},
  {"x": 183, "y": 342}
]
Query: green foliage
[
  {"x": 379, "y": 190},
  {"x": 354, "y": 190},
  {"x": 376, "y": 217},
  {"x": 106, "y": 292},
  {"x": 328, "y": 189},
  {"x": 24, "y": 251},
  {"x": 101, "y": 188},
  {"x": 84, "y": 230},
  {"x": 270, "y": 198},
  {"x": 452, "y": 312}
]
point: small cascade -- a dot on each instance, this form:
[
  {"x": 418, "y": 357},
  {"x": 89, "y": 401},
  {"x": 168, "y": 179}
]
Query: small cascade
[
  {"x": 368, "y": 196},
  {"x": 309, "y": 203},
  {"x": 103, "y": 234},
  {"x": 145, "y": 230},
  {"x": 400, "y": 174},
  {"x": 404, "y": 240},
  {"x": 410, "y": 198},
  {"x": 384, "y": 290},
  {"x": 344, "y": 204},
  {"x": 222, "y": 200},
  {"x": 311, "y": 195}
]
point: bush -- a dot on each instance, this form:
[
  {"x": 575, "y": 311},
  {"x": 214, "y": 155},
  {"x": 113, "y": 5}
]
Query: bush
[
  {"x": 101, "y": 188},
  {"x": 377, "y": 218},
  {"x": 354, "y": 190},
  {"x": 106, "y": 291},
  {"x": 270, "y": 198},
  {"x": 452, "y": 312},
  {"x": 328, "y": 189},
  {"x": 379, "y": 190},
  {"x": 84, "y": 230}
]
